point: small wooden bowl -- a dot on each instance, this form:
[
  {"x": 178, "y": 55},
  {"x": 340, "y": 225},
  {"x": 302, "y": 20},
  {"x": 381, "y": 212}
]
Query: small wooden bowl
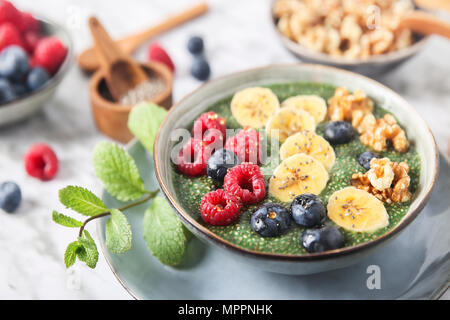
[{"x": 111, "y": 117}]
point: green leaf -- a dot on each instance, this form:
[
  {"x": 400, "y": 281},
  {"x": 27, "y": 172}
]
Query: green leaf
[
  {"x": 164, "y": 233},
  {"x": 81, "y": 200},
  {"x": 118, "y": 171},
  {"x": 71, "y": 253},
  {"x": 118, "y": 232},
  {"x": 65, "y": 221},
  {"x": 144, "y": 121},
  {"x": 88, "y": 252}
]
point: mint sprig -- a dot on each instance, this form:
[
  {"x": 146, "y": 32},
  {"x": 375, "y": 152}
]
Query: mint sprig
[{"x": 118, "y": 232}]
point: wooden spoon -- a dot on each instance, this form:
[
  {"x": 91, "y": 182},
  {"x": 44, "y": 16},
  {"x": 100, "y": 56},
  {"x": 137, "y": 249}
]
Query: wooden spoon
[
  {"x": 121, "y": 73},
  {"x": 433, "y": 4},
  {"x": 88, "y": 61},
  {"x": 425, "y": 23}
]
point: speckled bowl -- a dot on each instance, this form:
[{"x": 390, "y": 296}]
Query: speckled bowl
[
  {"x": 30, "y": 103},
  {"x": 191, "y": 106}
]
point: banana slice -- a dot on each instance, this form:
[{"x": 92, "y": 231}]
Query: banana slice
[
  {"x": 252, "y": 107},
  {"x": 357, "y": 210},
  {"x": 310, "y": 143},
  {"x": 296, "y": 175},
  {"x": 289, "y": 121},
  {"x": 314, "y": 105}
]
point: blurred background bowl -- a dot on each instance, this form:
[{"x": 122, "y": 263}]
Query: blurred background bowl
[
  {"x": 373, "y": 66},
  {"x": 26, "y": 105}
]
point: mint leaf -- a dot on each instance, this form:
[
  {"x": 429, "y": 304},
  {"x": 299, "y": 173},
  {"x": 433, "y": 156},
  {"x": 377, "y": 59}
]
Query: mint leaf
[
  {"x": 118, "y": 171},
  {"x": 81, "y": 200},
  {"x": 88, "y": 252},
  {"x": 65, "y": 221},
  {"x": 71, "y": 253},
  {"x": 118, "y": 232},
  {"x": 144, "y": 121},
  {"x": 164, "y": 232}
]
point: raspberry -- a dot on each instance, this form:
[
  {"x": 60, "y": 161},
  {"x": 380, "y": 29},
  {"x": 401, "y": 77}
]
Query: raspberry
[
  {"x": 219, "y": 208},
  {"x": 246, "y": 182},
  {"x": 158, "y": 54},
  {"x": 31, "y": 39},
  {"x": 210, "y": 121},
  {"x": 41, "y": 162},
  {"x": 9, "y": 35},
  {"x": 50, "y": 54},
  {"x": 193, "y": 158},
  {"x": 9, "y": 13},
  {"x": 246, "y": 145},
  {"x": 27, "y": 22}
]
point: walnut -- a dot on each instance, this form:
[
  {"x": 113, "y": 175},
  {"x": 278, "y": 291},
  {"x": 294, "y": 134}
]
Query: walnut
[
  {"x": 398, "y": 190},
  {"x": 343, "y": 104},
  {"x": 381, "y": 173}
]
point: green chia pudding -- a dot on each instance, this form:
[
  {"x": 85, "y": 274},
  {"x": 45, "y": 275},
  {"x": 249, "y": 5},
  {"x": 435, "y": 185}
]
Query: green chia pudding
[{"x": 190, "y": 190}]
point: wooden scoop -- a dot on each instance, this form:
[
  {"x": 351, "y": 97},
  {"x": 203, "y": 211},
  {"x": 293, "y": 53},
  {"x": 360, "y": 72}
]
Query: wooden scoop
[
  {"x": 88, "y": 61},
  {"x": 425, "y": 23},
  {"x": 121, "y": 73}
]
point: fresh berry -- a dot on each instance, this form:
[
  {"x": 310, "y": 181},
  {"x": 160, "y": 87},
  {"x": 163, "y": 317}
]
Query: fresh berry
[
  {"x": 158, "y": 54},
  {"x": 246, "y": 182},
  {"x": 271, "y": 220},
  {"x": 41, "y": 162},
  {"x": 338, "y": 132},
  {"x": 9, "y": 35},
  {"x": 50, "y": 54},
  {"x": 31, "y": 39},
  {"x": 200, "y": 69},
  {"x": 19, "y": 88},
  {"x": 37, "y": 78},
  {"x": 7, "y": 92},
  {"x": 323, "y": 239},
  {"x": 308, "y": 210},
  {"x": 220, "y": 162},
  {"x": 193, "y": 158},
  {"x": 10, "y": 196},
  {"x": 14, "y": 63},
  {"x": 219, "y": 208},
  {"x": 246, "y": 145},
  {"x": 9, "y": 13},
  {"x": 213, "y": 125},
  {"x": 365, "y": 158},
  {"x": 195, "y": 45},
  {"x": 27, "y": 22}
]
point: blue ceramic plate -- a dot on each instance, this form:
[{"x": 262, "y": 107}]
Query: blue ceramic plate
[{"x": 415, "y": 265}]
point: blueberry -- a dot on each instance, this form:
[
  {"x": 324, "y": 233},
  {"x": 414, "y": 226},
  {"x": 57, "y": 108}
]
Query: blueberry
[
  {"x": 338, "y": 132},
  {"x": 200, "y": 69},
  {"x": 37, "y": 78},
  {"x": 365, "y": 158},
  {"x": 220, "y": 162},
  {"x": 10, "y": 196},
  {"x": 308, "y": 210},
  {"x": 19, "y": 88},
  {"x": 271, "y": 220},
  {"x": 7, "y": 93},
  {"x": 14, "y": 63},
  {"x": 195, "y": 45},
  {"x": 323, "y": 239}
]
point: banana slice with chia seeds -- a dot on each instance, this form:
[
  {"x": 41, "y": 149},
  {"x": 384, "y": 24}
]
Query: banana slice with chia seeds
[
  {"x": 310, "y": 143},
  {"x": 297, "y": 175},
  {"x": 357, "y": 210},
  {"x": 288, "y": 121},
  {"x": 314, "y": 105},
  {"x": 252, "y": 107}
]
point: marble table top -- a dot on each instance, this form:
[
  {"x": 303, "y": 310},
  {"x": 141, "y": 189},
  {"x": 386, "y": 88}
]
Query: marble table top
[{"x": 237, "y": 37}]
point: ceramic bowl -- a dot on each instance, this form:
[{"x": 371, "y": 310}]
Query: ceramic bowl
[
  {"x": 30, "y": 103},
  {"x": 197, "y": 102},
  {"x": 372, "y": 66}
]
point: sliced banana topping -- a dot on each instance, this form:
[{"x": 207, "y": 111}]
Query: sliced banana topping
[
  {"x": 288, "y": 121},
  {"x": 252, "y": 107},
  {"x": 314, "y": 105},
  {"x": 297, "y": 175},
  {"x": 310, "y": 143}
]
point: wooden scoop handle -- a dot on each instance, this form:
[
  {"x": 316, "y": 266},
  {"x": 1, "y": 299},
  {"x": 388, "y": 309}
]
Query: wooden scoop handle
[
  {"x": 425, "y": 23},
  {"x": 88, "y": 61}
]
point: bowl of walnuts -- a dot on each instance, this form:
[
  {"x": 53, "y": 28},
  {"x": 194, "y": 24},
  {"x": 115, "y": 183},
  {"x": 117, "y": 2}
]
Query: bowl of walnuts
[{"x": 361, "y": 36}]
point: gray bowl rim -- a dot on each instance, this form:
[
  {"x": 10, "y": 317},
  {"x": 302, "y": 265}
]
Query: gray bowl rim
[
  {"x": 194, "y": 225},
  {"x": 59, "y": 75}
]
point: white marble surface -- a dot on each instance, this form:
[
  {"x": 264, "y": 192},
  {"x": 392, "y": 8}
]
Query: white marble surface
[{"x": 238, "y": 35}]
